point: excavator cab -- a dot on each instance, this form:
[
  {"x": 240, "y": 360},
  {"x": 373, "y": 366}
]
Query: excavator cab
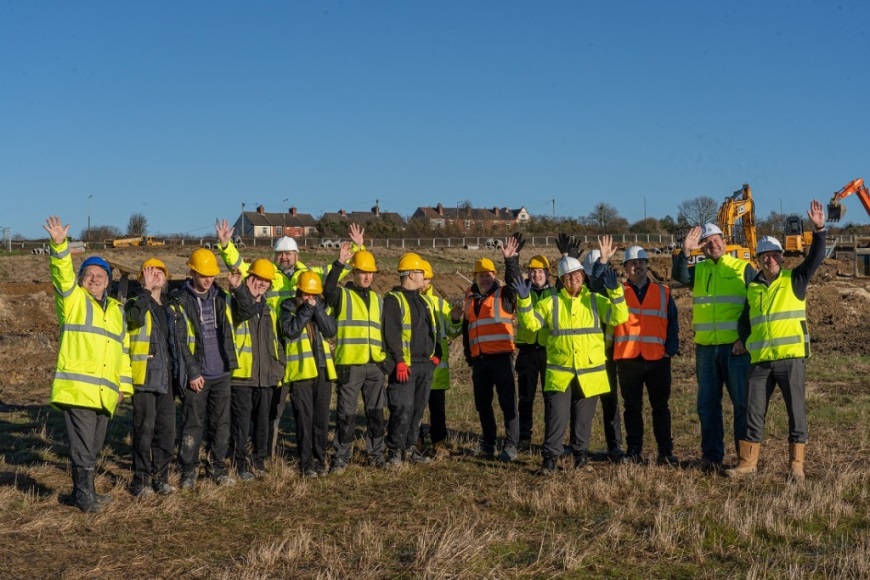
[{"x": 794, "y": 226}]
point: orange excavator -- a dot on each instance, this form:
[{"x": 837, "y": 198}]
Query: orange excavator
[{"x": 836, "y": 211}]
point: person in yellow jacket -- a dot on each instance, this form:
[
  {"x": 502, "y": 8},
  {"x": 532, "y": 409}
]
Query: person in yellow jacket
[
  {"x": 576, "y": 372},
  {"x": 93, "y": 365},
  {"x": 310, "y": 370},
  {"x": 289, "y": 268},
  {"x": 448, "y": 320},
  {"x": 774, "y": 328}
]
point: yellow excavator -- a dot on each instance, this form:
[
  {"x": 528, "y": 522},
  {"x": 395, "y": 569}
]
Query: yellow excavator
[{"x": 736, "y": 219}]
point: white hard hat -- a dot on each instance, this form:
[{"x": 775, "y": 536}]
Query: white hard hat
[
  {"x": 568, "y": 265},
  {"x": 589, "y": 260},
  {"x": 708, "y": 230},
  {"x": 286, "y": 244},
  {"x": 634, "y": 253},
  {"x": 768, "y": 244}
]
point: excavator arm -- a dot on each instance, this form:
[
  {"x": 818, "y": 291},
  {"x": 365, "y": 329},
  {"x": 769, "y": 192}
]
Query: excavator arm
[
  {"x": 836, "y": 210},
  {"x": 739, "y": 209}
]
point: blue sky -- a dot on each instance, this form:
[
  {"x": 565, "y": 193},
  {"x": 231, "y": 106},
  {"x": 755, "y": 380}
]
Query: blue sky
[{"x": 185, "y": 110}]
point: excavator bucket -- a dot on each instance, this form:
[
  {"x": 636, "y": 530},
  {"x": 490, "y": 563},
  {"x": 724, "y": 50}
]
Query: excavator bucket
[{"x": 836, "y": 211}]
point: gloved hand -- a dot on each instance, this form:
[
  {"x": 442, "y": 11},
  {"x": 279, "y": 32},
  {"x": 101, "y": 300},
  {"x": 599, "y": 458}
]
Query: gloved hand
[
  {"x": 522, "y": 287},
  {"x": 563, "y": 242},
  {"x": 435, "y": 360},
  {"x": 520, "y": 241},
  {"x": 403, "y": 373},
  {"x": 611, "y": 281}
]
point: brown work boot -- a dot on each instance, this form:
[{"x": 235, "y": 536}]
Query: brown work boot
[
  {"x": 796, "y": 455},
  {"x": 747, "y": 454}
]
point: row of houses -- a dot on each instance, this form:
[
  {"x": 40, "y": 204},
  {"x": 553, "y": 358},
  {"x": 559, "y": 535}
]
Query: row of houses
[{"x": 263, "y": 224}]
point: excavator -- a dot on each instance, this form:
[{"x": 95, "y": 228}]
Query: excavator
[
  {"x": 836, "y": 211},
  {"x": 736, "y": 219}
]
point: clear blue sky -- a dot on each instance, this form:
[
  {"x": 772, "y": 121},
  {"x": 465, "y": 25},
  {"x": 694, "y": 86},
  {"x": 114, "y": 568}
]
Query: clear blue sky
[{"x": 184, "y": 110}]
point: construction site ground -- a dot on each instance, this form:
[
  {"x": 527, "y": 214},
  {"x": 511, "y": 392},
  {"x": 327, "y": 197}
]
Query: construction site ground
[{"x": 838, "y": 305}]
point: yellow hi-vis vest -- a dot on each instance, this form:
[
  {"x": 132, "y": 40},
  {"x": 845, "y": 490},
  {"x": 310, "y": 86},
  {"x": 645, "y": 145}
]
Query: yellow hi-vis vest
[
  {"x": 245, "y": 345},
  {"x": 405, "y": 309},
  {"x": 447, "y": 329},
  {"x": 717, "y": 300},
  {"x": 779, "y": 321},
  {"x": 300, "y": 359},
  {"x": 140, "y": 349},
  {"x": 526, "y": 336},
  {"x": 93, "y": 361},
  {"x": 359, "y": 335},
  {"x": 575, "y": 347}
]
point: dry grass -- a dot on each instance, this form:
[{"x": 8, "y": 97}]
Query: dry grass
[{"x": 464, "y": 517}]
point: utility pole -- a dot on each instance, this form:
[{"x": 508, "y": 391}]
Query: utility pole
[
  {"x": 89, "y": 219},
  {"x": 644, "y": 207},
  {"x": 554, "y": 208}
]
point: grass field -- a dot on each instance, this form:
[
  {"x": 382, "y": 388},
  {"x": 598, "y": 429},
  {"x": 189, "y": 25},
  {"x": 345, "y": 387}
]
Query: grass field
[{"x": 463, "y": 517}]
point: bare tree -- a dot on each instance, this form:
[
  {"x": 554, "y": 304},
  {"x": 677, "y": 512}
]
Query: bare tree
[
  {"x": 101, "y": 233},
  {"x": 698, "y": 210},
  {"x": 138, "y": 225},
  {"x": 606, "y": 218}
]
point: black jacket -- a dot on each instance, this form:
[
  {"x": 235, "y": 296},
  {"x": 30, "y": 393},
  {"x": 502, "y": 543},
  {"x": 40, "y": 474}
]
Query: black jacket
[
  {"x": 159, "y": 369},
  {"x": 295, "y": 318}
]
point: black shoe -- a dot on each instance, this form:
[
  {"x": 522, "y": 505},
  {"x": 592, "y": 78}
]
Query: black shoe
[
  {"x": 634, "y": 456},
  {"x": 668, "y": 458},
  {"x": 616, "y": 455},
  {"x": 508, "y": 454},
  {"x": 377, "y": 461},
  {"x": 309, "y": 473},
  {"x": 484, "y": 451},
  {"x": 163, "y": 488},
  {"x": 246, "y": 476},
  {"x": 394, "y": 459},
  {"x": 188, "y": 481},
  {"x": 524, "y": 446},
  {"x": 705, "y": 465},
  {"x": 581, "y": 459},
  {"x": 548, "y": 467},
  {"x": 338, "y": 466}
]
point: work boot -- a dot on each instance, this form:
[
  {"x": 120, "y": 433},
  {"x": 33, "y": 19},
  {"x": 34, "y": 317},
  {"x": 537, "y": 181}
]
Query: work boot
[
  {"x": 524, "y": 446},
  {"x": 581, "y": 459},
  {"x": 224, "y": 480},
  {"x": 667, "y": 458},
  {"x": 796, "y": 455},
  {"x": 338, "y": 466},
  {"x": 484, "y": 451},
  {"x": 440, "y": 451},
  {"x": 247, "y": 476},
  {"x": 394, "y": 459},
  {"x": 413, "y": 455},
  {"x": 747, "y": 456},
  {"x": 84, "y": 496},
  {"x": 616, "y": 455},
  {"x": 188, "y": 481},
  {"x": 508, "y": 454},
  {"x": 376, "y": 461},
  {"x": 163, "y": 488},
  {"x": 634, "y": 456},
  {"x": 548, "y": 467}
]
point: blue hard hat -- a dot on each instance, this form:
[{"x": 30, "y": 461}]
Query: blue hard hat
[{"x": 96, "y": 261}]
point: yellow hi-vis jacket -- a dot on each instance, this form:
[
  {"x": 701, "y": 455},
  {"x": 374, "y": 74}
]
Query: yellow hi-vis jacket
[
  {"x": 405, "y": 309},
  {"x": 779, "y": 321},
  {"x": 575, "y": 347},
  {"x": 359, "y": 336},
  {"x": 447, "y": 329},
  {"x": 301, "y": 360},
  {"x": 526, "y": 336},
  {"x": 245, "y": 345},
  {"x": 93, "y": 362},
  {"x": 718, "y": 297},
  {"x": 283, "y": 287}
]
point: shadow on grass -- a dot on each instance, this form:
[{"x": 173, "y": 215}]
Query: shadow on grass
[{"x": 24, "y": 483}]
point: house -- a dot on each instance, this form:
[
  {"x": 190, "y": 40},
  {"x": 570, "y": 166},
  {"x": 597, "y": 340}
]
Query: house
[
  {"x": 260, "y": 224},
  {"x": 337, "y": 223},
  {"x": 472, "y": 220}
]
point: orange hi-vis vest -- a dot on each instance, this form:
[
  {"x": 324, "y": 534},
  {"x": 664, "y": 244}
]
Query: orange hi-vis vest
[
  {"x": 646, "y": 330},
  {"x": 491, "y": 331}
]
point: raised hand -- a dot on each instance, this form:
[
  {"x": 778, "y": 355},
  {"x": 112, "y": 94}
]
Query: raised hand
[
  {"x": 235, "y": 278},
  {"x": 611, "y": 281},
  {"x": 564, "y": 243},
  {"x": 816, "y": 214},
  {"x": 520, "y": 241},
  {"x": 605, "y": 243},
  {"x": 56, "y": 229},
  {"x": 151, "y": 279},
  {"x": 224, "y": 232},
  {"x": 511, "y": 248},
  {"x": 692, "y": 241},
  {"x": 357, "y": 234},
  {"x": 522, "y": 287},
  {"x": 344, "y": 252}
]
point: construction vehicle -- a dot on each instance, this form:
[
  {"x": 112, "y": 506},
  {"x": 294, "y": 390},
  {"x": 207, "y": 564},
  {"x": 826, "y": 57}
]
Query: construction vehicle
[
  {"x": 836, "y": 211},
  {"x": 736, "y": 219},
  {"x": 135, "y": 241},
  {"x": 797, "y": 241}
]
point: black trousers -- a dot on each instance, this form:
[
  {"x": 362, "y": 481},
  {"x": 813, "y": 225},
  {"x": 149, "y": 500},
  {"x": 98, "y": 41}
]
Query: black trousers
[
  {"x": 153, "y": 436},
  {"x": 656, "y": 375},
  {"x": 311, "y": 411},
  {"x": 495, "y": 371},
  {"x": 276, "y": 411},
  {"x": 437, "y": 415},
  {"x": 610, "y": 408},
  {"x": 407, "y": 403},
  {"x": 249, "y": 411},
  {"x": 209, "y": 408},
  {"x": 86, "y": 432},
  {"x": 531, "y": 365},
  {"x": 368, "y": 379}
]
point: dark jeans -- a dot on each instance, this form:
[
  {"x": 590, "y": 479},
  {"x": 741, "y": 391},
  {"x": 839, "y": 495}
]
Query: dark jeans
[
  {"x": 715, "y": 366},
  {"x": 368, "y": 379},
  {"x": 407, "y": 402},
  {"x": 311, "y": 411},
  {"x": 790, "y": 375},
  {"x": 211, "y": 405},
  {"x": 437, "y": 415},
  {"x": 86, "y": 431},
  {"x": 531, "y": 366},
  {"x": 153, "y": 436},
  {"x": 276, "y": 411},
  {"x": 634, "y": 374},
  {"x": 562, "y": 407},
  {"x": 610, "y": 408},
  {"x": 495, "y": 371},
  {"x": 250, "y": 421}
]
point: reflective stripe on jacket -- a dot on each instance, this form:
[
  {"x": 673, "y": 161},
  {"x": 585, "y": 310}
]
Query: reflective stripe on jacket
[
  {"x": 646, "y": 330},
  {"x": 405, "y": 310},
  {"x": 301, "y": 361},
  {"x": 779, "y": 321},
  {"x": 93, "y": 362},
  {"x": 244, "y": 344},
  {"x": 526, "y": 336},
  {"x": 447, "y": 329},
  {"x": 491, "y": 331},
  {"x": 718, "y": 297},
  {"x": 359, "y": 337}
]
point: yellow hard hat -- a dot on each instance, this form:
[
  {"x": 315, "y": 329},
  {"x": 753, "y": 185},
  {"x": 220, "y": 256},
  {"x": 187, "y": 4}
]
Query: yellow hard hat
[
  {"x": 364, "y": 261},
  {"x": 309, "y": 283},
  {"x": 428, "y": 274},
  {"x": 484, "y": 265},
  {"x": 262, "y": 268},
  {"x": 152, "y": 263},
  {"x": 203, "y": 262},
  {"x": 536, "y": 262},
  {"x": 410, "y": 261}
]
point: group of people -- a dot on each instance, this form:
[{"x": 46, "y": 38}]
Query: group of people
[{"x": 234, "y": 355}]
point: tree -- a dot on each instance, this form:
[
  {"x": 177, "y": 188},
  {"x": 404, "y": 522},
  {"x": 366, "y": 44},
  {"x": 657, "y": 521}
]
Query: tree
[
  {"x": 138, "y": 225},
  {"x": 605, "y": 218},
  {"x": 646, "y": 226},
  {"x": 100, "y": 233},
  {"x": 698, "y": 210},
  {"x": 772, "y": 225}
]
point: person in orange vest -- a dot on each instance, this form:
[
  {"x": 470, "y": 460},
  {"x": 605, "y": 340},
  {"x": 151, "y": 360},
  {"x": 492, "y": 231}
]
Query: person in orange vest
[
  {"x": 642, "y": 348},
  {"x": 488, "y": 343}
]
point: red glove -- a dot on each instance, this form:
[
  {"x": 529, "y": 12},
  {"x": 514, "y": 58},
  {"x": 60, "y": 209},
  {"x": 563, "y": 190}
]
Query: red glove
[
  {"x": 435, "y": 360},
  {"x": 403, "y": 373}
]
